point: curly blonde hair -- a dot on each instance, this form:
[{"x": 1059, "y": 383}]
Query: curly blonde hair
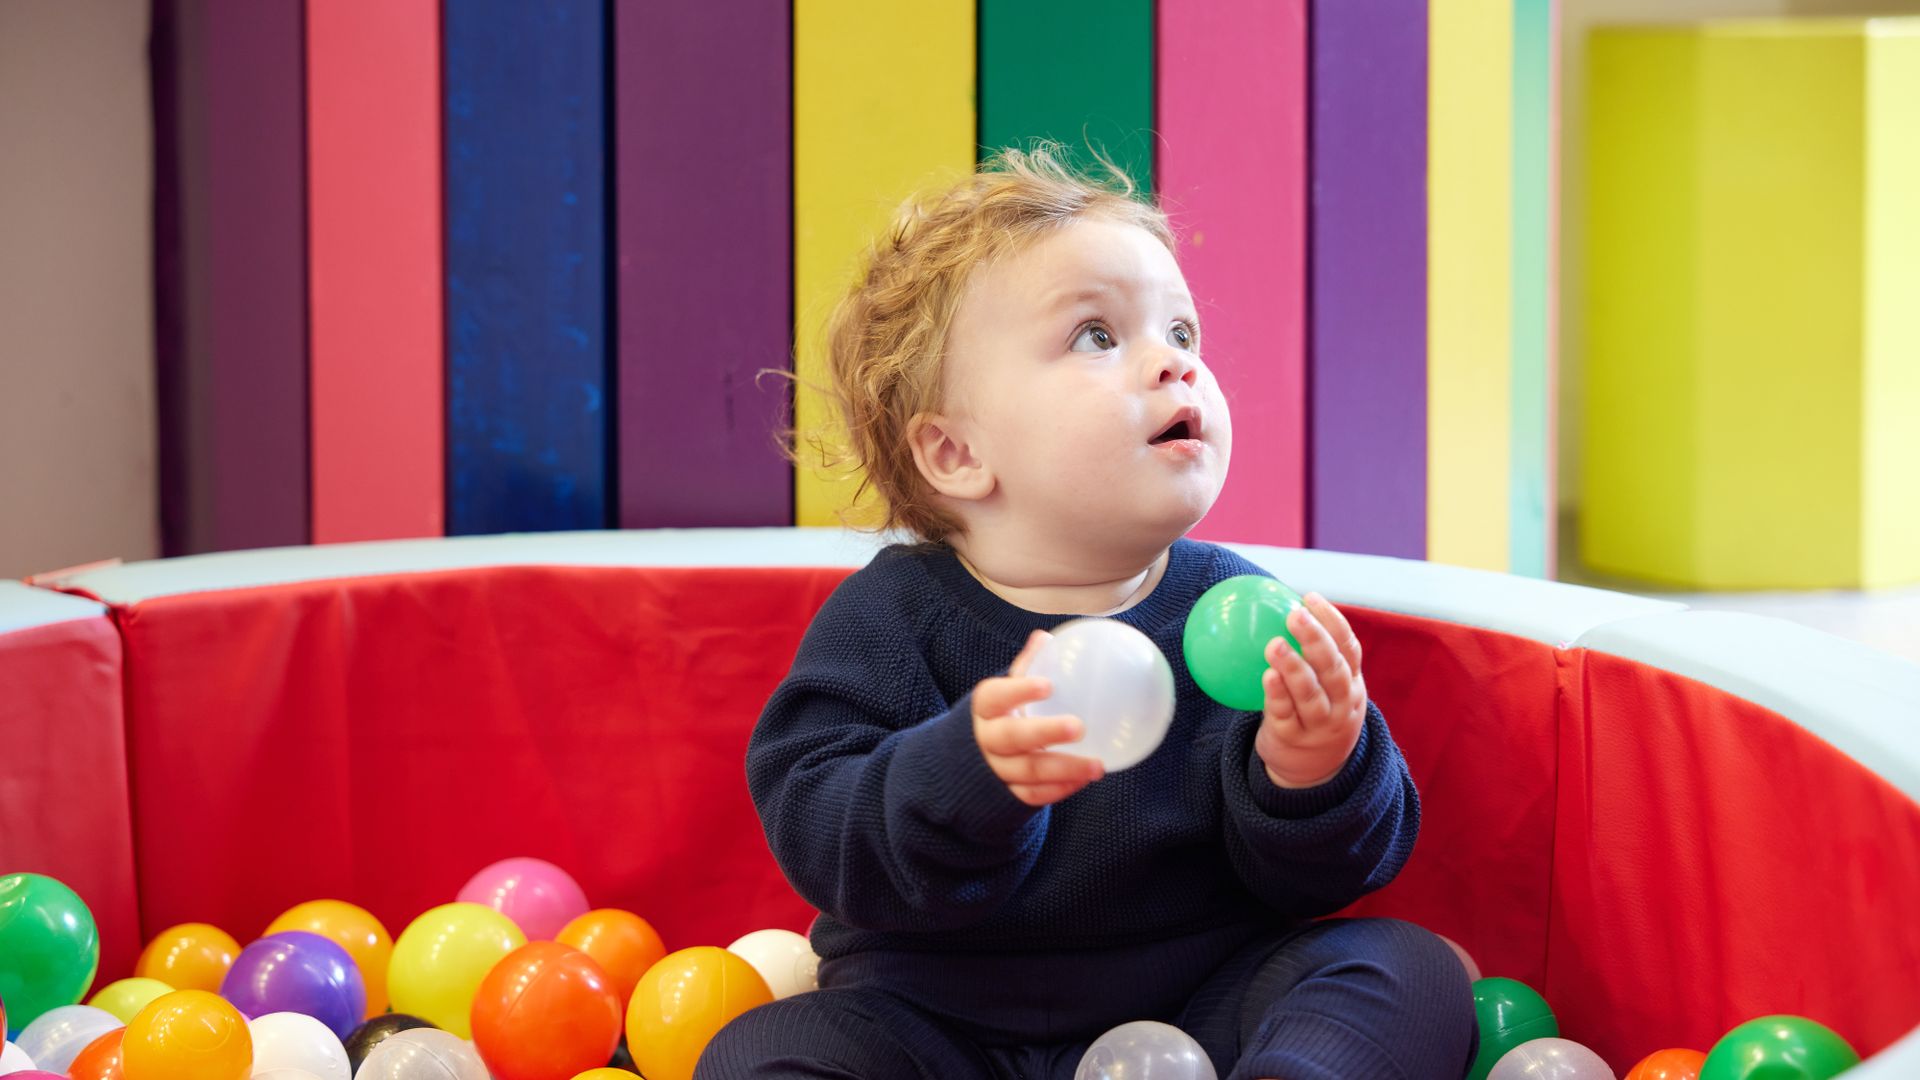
[{"x": 886, "y": 339}]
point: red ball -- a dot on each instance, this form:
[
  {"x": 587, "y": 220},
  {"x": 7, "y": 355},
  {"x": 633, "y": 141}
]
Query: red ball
[{"x": 545, "y": 1012}]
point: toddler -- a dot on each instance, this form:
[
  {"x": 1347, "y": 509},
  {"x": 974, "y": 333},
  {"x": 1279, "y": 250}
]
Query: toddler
[{"x": 1020, "y": 372}]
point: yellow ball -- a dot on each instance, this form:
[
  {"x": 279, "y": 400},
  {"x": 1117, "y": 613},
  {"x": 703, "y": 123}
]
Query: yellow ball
[
  {"x": 440, "y": 958},
  {"x": 680, "y": 1004},
  {"x": 125, "y": 998},
  {"x": 605, "y": 1074},
  {"x": 187, "y": 1035},
  {"x": 354, "y": 929}
]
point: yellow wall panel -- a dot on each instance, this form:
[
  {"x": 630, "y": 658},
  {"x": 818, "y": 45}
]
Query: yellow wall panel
[
  {"x": 1753, "y": 258},
  {"x": 883, "y": 106},
  {"x": 1469, "y": 290},
  {"x": 1639, "y": 465},
  {"x": 1891, "y": 443}
]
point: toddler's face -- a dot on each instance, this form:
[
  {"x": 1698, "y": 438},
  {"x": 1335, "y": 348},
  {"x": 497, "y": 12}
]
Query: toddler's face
[{"x": 1075, "y": 366}]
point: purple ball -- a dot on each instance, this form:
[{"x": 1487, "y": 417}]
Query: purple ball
[{"x": 295, "y": 971}]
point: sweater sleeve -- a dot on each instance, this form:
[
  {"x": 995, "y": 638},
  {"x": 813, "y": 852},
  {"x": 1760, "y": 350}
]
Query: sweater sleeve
[
  {"x": 881, "y": 811},
  {"x": 1313, "y": 851}
]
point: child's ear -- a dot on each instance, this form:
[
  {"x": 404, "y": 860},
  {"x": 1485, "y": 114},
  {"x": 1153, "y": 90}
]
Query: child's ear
[{"x": 946, "y": 459}]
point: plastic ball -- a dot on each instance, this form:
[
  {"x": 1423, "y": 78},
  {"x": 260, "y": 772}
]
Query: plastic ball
[
  {"x": 440, "y": 958},
  {"x": 1466, "y": 959},
  {"x": 423, "y": 1054},
  {"x": 376, "y": 1031},
  {"x": 188, "y": 1035},
  {"x": 125, "y": 997},
  {"x": 538, "y": 896},
  {"x": 191, "y": 956},
  {"x": 1550, "y": 1059},
  {"x": 604, "y": 1073},
  {"x": 1677, "y": 1063},
  {"x": 1779, "y": 1048},
  {"x": 680, "y": 1004},
  {"x": 546, "y": 1012},
  {"x": 783, "y": 958},
  {"x": 1145, "y": 1050},
  {"x": 291, "y": 1040},
  {"x": 49, "y": 947},
  {"x": 58, "y": 1035},
  {"x": 622, "y": 943},
  {"x": 284, "y": 1074},
  {"x": 296, "y": 971},
  {"x": 1509, "y": 1013},
  {"x": 101, "y": 1059},
  {"x": 14, "y": 1060},
  {"x": 1226, "y": 637},
  {"x": 1116, "y": 680},
  {"x": 354, "y": 929}
]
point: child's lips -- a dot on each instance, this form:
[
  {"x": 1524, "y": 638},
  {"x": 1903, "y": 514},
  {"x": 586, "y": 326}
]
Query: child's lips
[{"x": 1181, "y": 448}]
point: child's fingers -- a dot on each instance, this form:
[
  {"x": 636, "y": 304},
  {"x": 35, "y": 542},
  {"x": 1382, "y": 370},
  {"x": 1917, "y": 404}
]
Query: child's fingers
[
  {"x": 1309, "y": 699},
  {"x": 1323, "y": 660},
  {"x": 1337, "y": 627},
  {"x": 1007, "y": 736},
  {"x": 995, "y": 698},
  {"x": 1027, "y": 651},
  {"x": 1042, "y": 767},
  {"x": 1280, "y": 707},
  {"x": 1044, "y": 794}
]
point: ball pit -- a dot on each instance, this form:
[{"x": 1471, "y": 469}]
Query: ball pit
[{"x": 1565, "y": 741}]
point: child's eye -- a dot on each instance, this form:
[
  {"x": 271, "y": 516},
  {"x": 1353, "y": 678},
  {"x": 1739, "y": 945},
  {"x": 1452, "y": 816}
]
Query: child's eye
[
  {"x": 1182, "y": 336},
  {"x": 1094, "y": 338}
]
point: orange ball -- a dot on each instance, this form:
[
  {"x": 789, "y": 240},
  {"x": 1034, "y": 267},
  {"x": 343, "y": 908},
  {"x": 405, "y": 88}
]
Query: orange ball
[
  {"x": 1675, "y": 1064},
  {"x": 681, "y": 1002},
  {"x": 187, "y": 1035},
  {"x": 101, "y": 1059},
  {"x": 545, "y": 1012},
  {"x": 622, "y": 943},
  {"x": 354, "y": 929},
  {"x": 191, "y": 956}
]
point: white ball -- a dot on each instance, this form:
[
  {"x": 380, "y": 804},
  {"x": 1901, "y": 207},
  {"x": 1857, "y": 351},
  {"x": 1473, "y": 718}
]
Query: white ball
[
  {"x": 290, "y": 1042},
  {"x": 1145, "y": 1050},
  {"x": 13, "y": 1060},
  {"x": 1116, "y": 680},
  {"x": 57, "y": 1036},
  {"x": 783, "y": 958},
  {"x": 1550, "y": 1059},
  {"x": 423, "y": 1054}
]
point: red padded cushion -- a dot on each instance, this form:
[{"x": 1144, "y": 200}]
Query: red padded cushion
[{"x": 64, "y": 809}]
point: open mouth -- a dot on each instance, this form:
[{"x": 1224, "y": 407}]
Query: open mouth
[
  {"x": 1184, "y": 425},
  {"x": 1177, "y": 431}
]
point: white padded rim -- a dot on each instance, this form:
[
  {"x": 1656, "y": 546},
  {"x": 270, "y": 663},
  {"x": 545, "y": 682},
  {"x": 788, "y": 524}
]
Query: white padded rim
[{"x": 23, "y": 607}]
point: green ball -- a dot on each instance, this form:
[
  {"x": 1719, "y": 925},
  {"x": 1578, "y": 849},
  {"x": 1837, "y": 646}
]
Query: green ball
[
  {"x": 1779, "y": 1048},
  {"x": 49, "y": 948},
  {"x": 1509, "y": 1013},
  {"x": 1226, "y": 638}
]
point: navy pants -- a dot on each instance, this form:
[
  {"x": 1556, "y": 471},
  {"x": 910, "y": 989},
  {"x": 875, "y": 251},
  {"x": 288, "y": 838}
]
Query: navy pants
[{"x": 1344, "y": 999}]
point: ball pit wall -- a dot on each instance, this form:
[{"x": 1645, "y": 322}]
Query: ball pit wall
[{"x": 1667, "y": 821}]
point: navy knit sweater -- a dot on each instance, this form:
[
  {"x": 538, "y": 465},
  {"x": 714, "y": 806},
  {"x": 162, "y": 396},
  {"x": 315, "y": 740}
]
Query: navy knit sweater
[{"x": 883, "y": 813}]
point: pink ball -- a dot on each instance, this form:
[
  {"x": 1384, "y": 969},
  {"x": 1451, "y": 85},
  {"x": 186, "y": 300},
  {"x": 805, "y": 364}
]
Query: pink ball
[
  {"x": 538, "y": 896},
  {"x": 1466, "y": 961}
]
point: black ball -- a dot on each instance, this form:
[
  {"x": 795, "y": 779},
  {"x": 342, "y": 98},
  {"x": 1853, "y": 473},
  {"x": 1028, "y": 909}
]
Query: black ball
[{"x": 376, "y": 1031}]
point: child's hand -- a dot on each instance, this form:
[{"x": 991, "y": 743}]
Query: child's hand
[
  {"x": 1315, "y": 706},
  {"x": 1015, "y": 746}
]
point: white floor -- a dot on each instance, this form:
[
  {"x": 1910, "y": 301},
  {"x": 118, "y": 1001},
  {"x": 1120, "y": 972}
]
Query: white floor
[{"x": 1888, "y": 620}]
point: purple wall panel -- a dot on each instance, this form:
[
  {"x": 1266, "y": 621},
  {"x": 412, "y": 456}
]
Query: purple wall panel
[
  {"x": 1367, "y": 366},
  {"x": 230, "y": 256},
  {"x": 703, "y": 135}
]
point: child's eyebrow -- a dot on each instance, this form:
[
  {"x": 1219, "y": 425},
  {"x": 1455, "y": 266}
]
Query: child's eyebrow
[{"x": 1070, "y": 297}]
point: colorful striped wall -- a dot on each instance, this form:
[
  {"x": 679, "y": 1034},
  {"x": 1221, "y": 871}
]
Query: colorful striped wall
[{"x": 484, "y": 266}]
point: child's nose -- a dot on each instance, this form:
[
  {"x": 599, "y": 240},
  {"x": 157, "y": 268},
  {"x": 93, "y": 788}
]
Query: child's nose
[{"x": 1173, "y": 365}]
